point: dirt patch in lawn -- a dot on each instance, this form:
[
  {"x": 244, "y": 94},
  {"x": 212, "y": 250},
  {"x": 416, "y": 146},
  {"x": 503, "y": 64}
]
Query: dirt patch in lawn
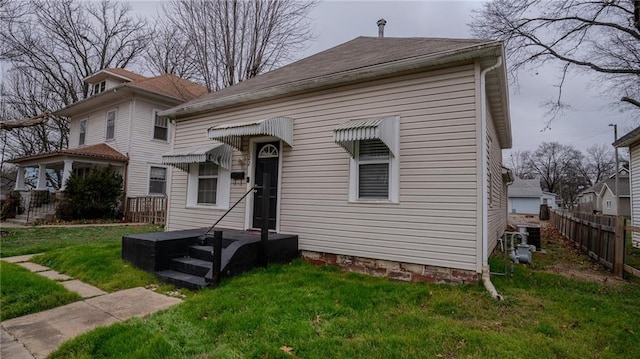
[{"x": 565, "y": 259}]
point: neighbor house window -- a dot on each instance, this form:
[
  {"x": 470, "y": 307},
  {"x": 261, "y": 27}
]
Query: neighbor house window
[
  {"x": 83, "y": 132},
  {"x": 609, "y": 204},
  {"x": 160, "y": 127},
  {"x": 373, "y": 159},
  {"x": 99, "y": 87},
  {"x": 111, "y": 125},
  {"x": 207, "y": 183},
  {"x": 157, "y": 180}
]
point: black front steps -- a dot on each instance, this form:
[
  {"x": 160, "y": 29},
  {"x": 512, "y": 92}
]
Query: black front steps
[
  {"x": 190, "y": 271},
  {"x": 184, "y": 260}
]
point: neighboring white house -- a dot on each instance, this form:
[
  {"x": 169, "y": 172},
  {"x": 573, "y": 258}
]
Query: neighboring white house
[
  {"x": 526, "y": 196},
  {"x": 632, "y": 141},
  {"x": 117, "y": 125},
  {"x": 384, "y": 155},
  {"x": 601, "y": 198}
]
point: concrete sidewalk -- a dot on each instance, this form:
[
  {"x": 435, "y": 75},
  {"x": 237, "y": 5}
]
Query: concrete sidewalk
[{"x": 37, "y": 335}]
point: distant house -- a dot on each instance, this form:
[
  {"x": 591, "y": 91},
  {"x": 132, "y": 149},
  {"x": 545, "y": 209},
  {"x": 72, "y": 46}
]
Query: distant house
[
  {"x": 526, "y": 196},
  {"x": 117, "y": 125},
  {"x": 601, "y": 197},
  {"x": 384, "y": 155}
]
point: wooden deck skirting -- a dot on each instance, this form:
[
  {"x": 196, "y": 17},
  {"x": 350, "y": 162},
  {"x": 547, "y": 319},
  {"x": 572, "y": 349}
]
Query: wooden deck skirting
[
  {"x": 601, "y": 237},
  {"x": 146, "y": 209}
]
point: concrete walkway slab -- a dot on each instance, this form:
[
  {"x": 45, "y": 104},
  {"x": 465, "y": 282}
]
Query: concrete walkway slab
[
  {"x": 134, "y": 302},
  {"x": 53, "y": 275},
  {"x": 19, "y": 259},
  {"x": 33, "y": 267},
  {"x": 11, "y": 348},
  {"x": 42, "y": 333},
  {"x": 85, "y": 290}
]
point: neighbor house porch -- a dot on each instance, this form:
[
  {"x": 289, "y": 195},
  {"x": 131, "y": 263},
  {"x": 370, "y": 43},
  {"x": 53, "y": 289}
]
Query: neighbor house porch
[{"x": 40, "y": 178}]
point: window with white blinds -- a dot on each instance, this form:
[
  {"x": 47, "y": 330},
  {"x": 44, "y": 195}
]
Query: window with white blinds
[{"x": 373, "y": 170}]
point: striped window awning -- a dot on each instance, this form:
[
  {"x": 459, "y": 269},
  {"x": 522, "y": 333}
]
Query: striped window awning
[
  {"x": 231, "y": 134},
  {"x": 218, "y": 153},
  {"x": 385, "y": 129}
]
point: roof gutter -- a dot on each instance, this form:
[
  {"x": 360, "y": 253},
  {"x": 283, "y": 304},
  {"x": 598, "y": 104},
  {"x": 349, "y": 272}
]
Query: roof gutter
[
  {"x": 486, "y": 278},
  {"x": 64, "y": 112},
  {"x": 332, "y": 80}
]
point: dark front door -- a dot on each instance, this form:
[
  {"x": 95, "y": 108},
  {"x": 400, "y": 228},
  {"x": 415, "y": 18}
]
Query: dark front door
[{"x": 266, "y": 162}]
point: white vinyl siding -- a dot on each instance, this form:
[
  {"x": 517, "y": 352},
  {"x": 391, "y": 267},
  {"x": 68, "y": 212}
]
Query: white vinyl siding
[
  {"x": 144, "y": 150},
  {"x": 435, "y": 219},
  {"x": 634, "y": 166},
  {"x": 496, "y": 187}
]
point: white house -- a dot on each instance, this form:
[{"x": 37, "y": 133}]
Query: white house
[
  {"x": 384, "y": 155},
  {"x": 526, "y": 196},
  {"x": 601, "y": 197},
  {"x": 117, "y": 125}
]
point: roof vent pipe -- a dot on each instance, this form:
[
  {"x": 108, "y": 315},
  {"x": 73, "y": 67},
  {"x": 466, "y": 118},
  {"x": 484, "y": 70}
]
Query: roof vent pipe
[{"x": 381, "y": 24}]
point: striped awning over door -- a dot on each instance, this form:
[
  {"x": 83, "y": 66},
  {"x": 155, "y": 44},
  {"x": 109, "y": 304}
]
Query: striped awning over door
[
  {"x": 218, "y": 153},
  {"x": 232, "y": 133},
  {"x": 385, "y": 129}
]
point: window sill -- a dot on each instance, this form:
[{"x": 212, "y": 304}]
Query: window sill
[
  {"x": 160, "y": 141},
  {"x": 372, "y": 201},
  {"x": 206, "y": 206}
]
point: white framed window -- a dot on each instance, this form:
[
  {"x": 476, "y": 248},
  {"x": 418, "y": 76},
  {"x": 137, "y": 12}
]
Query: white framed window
[
  {"x": 160, "y": 127},
  {"x": 111, "y": 125},
  {"x": 157, "y": 180},
  {"x": 83, "y": 133},
  {"x": 208, "y": 185},
  {"x": 374, "y": 173},
  {"x": 99, "y": 87},
  {"x": 609, "y": 204}
]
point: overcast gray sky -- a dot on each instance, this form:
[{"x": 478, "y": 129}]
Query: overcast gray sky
[{"x": 584, "y": 124}]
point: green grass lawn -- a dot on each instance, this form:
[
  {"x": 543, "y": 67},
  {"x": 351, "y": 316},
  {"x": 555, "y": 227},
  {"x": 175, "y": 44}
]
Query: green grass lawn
[
  {"x": 21, "y": 241},
  {"x": 23, "y": 292},
  {"x": 325, "y": 313},
  {"x": 299, "y": 310}
]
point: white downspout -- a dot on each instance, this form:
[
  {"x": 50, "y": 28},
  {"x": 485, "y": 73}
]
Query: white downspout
[{"x": 486, "y": 279}]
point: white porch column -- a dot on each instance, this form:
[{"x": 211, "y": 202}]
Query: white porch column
[
  {"x": 42, "y": 178},
  {"x": 20, "y": 179},
  {"x": 66, "y": 173}
]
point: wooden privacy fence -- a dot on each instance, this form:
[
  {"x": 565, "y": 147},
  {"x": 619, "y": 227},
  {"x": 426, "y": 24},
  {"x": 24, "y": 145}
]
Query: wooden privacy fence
[
  {"x": 146, "y": 209},
  {"x": 601, "y": 237}
]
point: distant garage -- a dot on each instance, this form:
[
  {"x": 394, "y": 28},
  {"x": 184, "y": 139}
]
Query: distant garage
[{"x": 524, "y": 196}]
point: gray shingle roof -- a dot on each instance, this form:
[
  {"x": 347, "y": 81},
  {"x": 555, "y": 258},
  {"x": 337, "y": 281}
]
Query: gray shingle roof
[
  {"x": 359, "y": 53},
  {"x": 525, "y": 188}
]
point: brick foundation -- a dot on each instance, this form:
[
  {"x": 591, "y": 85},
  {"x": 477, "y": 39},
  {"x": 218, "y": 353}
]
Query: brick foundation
[{"x": 394, "y": 270}]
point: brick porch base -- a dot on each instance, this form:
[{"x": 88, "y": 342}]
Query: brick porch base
[{"x": 392, "y": 269}]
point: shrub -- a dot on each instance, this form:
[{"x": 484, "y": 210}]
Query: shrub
[
  {"x": 94, "y": 196},
  {"x": 12, "y": 205}
]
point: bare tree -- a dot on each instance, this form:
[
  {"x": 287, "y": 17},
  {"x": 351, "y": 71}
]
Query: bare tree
[
  {"x": 518, "y": 162},
  {"x": 557, "y": 166},
  {"x": 598, "y": 163},
  {"x": 232, "y": 41},
  {"x": 51, "y": 46},
  {"x": 597, "y": 36},
  {"x": 169, "y": 53}
]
